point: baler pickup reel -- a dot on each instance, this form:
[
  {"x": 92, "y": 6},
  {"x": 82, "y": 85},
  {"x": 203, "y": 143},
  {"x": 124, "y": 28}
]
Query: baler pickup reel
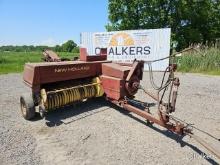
[{"x": 57, "y": 84}]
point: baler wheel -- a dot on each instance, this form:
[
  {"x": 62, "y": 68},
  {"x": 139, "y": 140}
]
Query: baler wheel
[{"x": 27, "y": 107}]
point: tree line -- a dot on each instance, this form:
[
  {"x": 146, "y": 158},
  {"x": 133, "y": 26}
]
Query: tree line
[
  {"x": 191, "y": 21},
  {"x": 69, "y": 46}
]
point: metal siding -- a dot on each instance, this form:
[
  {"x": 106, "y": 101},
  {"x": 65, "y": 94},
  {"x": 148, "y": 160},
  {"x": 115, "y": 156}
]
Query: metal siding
[
  {"x": 87, "y": 42},
  {"x": 161, "y": 41}
]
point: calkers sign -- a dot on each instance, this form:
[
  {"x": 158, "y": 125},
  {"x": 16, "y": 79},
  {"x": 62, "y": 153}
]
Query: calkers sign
[{"x": 125, "y": 46}]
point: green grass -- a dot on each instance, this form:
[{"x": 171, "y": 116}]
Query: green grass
[
  {"x": 205, "y": 61},
  {"x": 13, "y": 62}
]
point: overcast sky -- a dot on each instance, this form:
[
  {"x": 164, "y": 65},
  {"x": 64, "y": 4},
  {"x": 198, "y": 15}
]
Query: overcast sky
[{"x": 50, "y": 22}]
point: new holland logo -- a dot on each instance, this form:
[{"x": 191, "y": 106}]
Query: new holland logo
[
  {"x": 71, "y": 69},
  {"x": 122, "y": 43}
]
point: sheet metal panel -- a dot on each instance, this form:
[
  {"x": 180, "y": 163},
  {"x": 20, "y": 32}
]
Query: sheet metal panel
[{"x": 86, "y": 41}]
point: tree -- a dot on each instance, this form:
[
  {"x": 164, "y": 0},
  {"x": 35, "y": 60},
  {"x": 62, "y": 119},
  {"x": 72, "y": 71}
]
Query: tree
[
  {"x": 68, "y": 46},
  {"x": 57, "y": 48},
  {"x": 76, "y": 49},
  {"x": 191, "y": 21}
]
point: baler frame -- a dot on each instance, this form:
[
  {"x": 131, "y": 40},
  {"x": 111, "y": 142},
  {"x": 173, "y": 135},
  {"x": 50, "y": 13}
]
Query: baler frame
[{"x": 125, "y": 79}]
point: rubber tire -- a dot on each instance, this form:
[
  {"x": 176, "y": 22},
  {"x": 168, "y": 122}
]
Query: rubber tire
[{"x": 27, "y": 105}]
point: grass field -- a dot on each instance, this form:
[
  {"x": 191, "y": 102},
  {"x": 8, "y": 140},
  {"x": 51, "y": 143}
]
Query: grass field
[
  {"x": 13, "y": 62},
  {"x": 205, "y": 61}
]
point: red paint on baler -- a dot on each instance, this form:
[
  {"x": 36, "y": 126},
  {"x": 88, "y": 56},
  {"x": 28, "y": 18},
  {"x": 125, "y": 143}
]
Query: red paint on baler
[
  {"x": 113, "y": 87},
  {"x": 36, "y": 74},
  {"x": 115, "y": 70},
  {"x": 85, "y": 57}
]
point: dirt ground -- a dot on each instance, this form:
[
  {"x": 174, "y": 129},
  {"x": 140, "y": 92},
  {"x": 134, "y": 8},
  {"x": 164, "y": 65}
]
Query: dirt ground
[{"x": 97, "y": 133}]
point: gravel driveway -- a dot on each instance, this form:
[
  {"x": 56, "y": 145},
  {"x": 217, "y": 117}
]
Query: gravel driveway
[{"x": 97, "y": 133}]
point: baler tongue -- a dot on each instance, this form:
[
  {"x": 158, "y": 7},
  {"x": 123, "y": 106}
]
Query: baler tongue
[{"x": 209, "y": 147}]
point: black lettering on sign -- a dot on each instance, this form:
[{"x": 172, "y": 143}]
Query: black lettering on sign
[
  {"x": 124, "y": 50},
  {"x": 132, "y": 50},
  {"x": 139, "y": 51},
  {"x": 117, "y": 52},
  {"x": 111, "y": 51},
  {"x": 146, "y": 50},
  {"x": 128, "y": 50}
]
